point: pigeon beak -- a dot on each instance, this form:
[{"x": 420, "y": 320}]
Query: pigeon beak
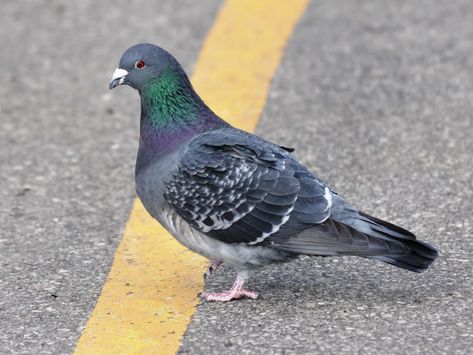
[{"x": 118, "y": 78}]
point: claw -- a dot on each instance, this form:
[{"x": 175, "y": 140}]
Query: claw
[
  {"x": 237, "y": 291},
  {"x": 212, "y": 268}
]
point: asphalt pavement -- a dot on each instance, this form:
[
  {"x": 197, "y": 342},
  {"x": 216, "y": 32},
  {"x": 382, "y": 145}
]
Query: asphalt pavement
[
  {"x": 377, "y": 99},
  {"x": 67, "y": 152}
]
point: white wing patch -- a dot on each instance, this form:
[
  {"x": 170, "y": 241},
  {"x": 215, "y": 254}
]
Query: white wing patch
[
  {"x": 328, "y": 197},
  {"x": 275, "y": 228},
  {"x": 220, "y": 223}
]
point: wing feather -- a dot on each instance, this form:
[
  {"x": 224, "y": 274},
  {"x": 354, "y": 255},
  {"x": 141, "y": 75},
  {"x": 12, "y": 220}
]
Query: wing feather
[{"x": 238, "y": 188}]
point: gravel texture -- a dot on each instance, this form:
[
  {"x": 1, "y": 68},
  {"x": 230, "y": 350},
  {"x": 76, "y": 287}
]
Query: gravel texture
[
  {"x": 377, "y": 98},
  {"x": 67, "y": 151}
]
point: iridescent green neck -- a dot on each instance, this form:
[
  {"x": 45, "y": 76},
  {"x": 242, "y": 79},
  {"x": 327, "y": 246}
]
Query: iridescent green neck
[
  {"x": 169, "y": 101},
  {"x": 171, "y": 114}
]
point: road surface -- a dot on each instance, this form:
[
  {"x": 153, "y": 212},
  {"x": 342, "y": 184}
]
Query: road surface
[{"x": 377, "y": 99}]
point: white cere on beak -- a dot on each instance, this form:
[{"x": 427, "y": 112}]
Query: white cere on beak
[{"x": 119, "y": 74}]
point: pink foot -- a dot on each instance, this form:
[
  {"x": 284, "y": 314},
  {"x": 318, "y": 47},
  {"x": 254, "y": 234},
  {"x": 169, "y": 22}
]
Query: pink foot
[
  {"x": 235, "y": 293},
  {"x": 228, "y": 296}
]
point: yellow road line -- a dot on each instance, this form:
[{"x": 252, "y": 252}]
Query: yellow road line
[{"x": 151, "y": 291}]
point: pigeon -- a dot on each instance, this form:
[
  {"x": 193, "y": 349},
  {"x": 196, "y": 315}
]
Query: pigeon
[{"x": 234, "y": 197}]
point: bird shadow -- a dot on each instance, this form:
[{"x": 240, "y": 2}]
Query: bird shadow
[{"x": 341, "y": 281}]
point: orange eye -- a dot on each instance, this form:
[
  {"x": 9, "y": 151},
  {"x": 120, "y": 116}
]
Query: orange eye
[{"x": 139, "y": 64}]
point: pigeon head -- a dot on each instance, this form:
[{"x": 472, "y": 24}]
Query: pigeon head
[
  {"x": 171, "y": 110},
  {"x": 143, "y": 64}
]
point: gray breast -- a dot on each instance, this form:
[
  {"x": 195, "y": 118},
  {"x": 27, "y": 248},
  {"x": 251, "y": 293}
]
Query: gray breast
[{"x": 150, "y": 183}]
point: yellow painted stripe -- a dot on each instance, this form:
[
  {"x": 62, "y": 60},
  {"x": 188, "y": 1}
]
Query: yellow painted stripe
[
  {"x": 241, "y": 54},
  {"x": 151, "y": 291}
]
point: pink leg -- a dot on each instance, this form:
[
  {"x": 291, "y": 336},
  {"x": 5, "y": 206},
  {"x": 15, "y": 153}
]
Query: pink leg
[
  {"x": 214, "y": 264},
  {"x": 237, "y": 291}
]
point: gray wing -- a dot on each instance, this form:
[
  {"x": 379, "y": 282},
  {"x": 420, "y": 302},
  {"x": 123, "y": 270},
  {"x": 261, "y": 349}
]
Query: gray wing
[{"x": 239, "y": 188}]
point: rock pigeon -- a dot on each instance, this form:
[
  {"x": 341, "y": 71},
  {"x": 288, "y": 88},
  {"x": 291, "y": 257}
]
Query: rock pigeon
[{"x": 234, "y": 197}]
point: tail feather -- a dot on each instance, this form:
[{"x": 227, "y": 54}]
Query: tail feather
[
  {"x": 365, "y": 236},
  {"x": 392, "y": 228},
  {"x": 418, "y": 260},
  {"x": 420, "y": 254}
]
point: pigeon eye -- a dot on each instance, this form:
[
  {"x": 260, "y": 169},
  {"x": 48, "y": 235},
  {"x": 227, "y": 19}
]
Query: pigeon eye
[{"x": 139, "y": 64}]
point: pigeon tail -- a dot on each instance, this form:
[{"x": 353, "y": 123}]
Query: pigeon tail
[
  {"x": 364, "y": 236},
  {"x": 419, "y": 254}
]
